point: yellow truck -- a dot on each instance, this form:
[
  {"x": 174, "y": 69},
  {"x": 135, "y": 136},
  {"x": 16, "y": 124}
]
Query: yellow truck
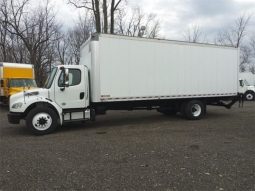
[{"x": 14, "y": 78}]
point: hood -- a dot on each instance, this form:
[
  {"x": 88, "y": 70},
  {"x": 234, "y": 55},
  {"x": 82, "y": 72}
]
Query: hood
[
  {"x": 14, "y": 90},
  {"x": 25, "y": 95},
  {"x": 252, "y": 88},
  {"x": 40, "y": 92}
]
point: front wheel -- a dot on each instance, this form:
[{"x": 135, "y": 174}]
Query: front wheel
[
  {"x": 194, "y": 109},
  {"x": 250, "y": 96},
  {"x": 41, "y": 120}
]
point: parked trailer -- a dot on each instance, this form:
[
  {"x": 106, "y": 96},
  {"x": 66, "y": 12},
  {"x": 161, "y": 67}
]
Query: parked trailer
[{"x": 128, "y": 73}]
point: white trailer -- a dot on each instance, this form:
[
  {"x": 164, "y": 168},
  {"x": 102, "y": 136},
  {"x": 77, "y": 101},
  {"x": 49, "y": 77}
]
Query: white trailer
[{"x": 126, "y": 73}]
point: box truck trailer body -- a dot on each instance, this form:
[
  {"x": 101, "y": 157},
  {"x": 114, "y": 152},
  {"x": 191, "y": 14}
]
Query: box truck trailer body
[
  {"x": 123, "y": 68},
  {"x": 127, "y": 73},
  {"x": 15, "y": 78}
]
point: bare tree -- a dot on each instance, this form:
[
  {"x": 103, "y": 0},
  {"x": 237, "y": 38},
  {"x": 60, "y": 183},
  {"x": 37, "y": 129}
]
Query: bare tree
[
  {"x": 245, "y": 57},
  {"x": 252, "y": 45},
  {"x": 36, "y": 29},
  {"x": 18, "y": 51},
  {"x": 77, "y": 36},
  {"x": 105, "y": 13},
  {"x": 8, "y": 42},
  {"x": 194, "y": 34},
  {"x": 236, "y": 34},
  {"x": 99, "y": 10},
  {"x": 139, "y": 23},
  {"x": 252, "y": 48},
  {"x": 90, "y": 5},
  {"x": 62, "y": 49},
  {"x": 114, "y": 6},
  {"x": 67, "y": 46},
  {"x": 4, "y": 44}
]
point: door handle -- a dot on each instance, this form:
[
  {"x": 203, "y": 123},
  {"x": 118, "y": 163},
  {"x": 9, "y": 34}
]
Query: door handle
[{"x": 82, "y": 95}]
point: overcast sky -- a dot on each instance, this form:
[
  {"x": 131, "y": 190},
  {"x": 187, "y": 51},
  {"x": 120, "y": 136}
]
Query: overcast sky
[{"x": 177, "y": 15}]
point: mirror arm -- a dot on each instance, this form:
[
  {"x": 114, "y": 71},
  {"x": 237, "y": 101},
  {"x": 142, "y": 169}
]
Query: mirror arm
[{"x": 66, "y": 73}]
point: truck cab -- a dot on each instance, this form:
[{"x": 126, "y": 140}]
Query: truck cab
[
  {"x": 247, "y": 90},
  {"x": 64, "y": 98}
]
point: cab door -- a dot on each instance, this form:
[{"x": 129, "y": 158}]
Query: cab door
[
  {"x": 242, "y": 87},
  {"x": 74, "y": 95}
]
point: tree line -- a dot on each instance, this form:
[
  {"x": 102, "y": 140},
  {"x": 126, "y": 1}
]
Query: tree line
[{"x": 33, "y": 34}]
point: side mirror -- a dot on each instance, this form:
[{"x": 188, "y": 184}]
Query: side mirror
[
  {"x": 66, "y": 77},
  {"x": 241, "y": 83},
  {"x": 65, "y": 82}
]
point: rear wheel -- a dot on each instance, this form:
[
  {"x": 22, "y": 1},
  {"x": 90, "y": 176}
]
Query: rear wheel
[
  {"x": 42, "y": 120},
  {"x": 194, "y": 110}
]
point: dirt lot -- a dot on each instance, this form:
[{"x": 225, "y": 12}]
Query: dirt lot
[{"x": 140, "y": 150}]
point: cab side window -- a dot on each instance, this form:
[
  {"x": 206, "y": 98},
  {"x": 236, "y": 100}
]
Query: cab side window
[{"x": 74, "y": 77}]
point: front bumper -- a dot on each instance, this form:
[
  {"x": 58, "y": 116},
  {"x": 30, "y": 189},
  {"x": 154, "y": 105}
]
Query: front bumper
[{"x": 14, "y": 118}]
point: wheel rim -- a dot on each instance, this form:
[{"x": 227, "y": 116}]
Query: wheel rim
[
  {"x": 249, "y": 97},
  {"x": 42, "y": 121},
  {"x": 196, "y": 110}
]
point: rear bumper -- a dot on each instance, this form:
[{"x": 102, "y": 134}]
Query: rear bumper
[{"x": 14, "y": 118}]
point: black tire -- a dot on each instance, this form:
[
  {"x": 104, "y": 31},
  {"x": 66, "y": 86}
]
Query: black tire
[
  {"x": 249, "y": 96},
  {"x": 45, "y": 118},
  {"x": 194, "y": 110}
]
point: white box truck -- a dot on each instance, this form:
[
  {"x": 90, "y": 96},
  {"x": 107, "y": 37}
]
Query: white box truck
[
  {"x": 247, "y": 85},
  {"x": 128, "y": 73}
]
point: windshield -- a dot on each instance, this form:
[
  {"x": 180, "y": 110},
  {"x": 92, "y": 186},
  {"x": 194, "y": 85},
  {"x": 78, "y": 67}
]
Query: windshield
[
  {"x": 246, "y": 83},
  {"x": 50, "y": 78},
  {"x": 22, "y": 83}
]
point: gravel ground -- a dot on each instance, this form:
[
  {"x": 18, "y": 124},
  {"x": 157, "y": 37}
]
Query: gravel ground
[{"x": 139, "y": 150}]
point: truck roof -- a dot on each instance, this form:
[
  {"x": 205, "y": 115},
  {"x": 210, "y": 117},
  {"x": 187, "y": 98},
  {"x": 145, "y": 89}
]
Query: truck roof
[
  {"x": 15, "y": 65},
  {"x": 96, "y": 36}
]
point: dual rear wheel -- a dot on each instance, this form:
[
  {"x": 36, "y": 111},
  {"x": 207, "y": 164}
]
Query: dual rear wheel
[{"x": 192, "y": 110}]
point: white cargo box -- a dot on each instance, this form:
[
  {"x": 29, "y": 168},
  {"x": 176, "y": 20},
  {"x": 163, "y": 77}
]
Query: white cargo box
[{"x": 128, "y": 68}]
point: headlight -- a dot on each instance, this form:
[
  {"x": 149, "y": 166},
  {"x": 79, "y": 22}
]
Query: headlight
[{"x": 17, "y": 105}]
